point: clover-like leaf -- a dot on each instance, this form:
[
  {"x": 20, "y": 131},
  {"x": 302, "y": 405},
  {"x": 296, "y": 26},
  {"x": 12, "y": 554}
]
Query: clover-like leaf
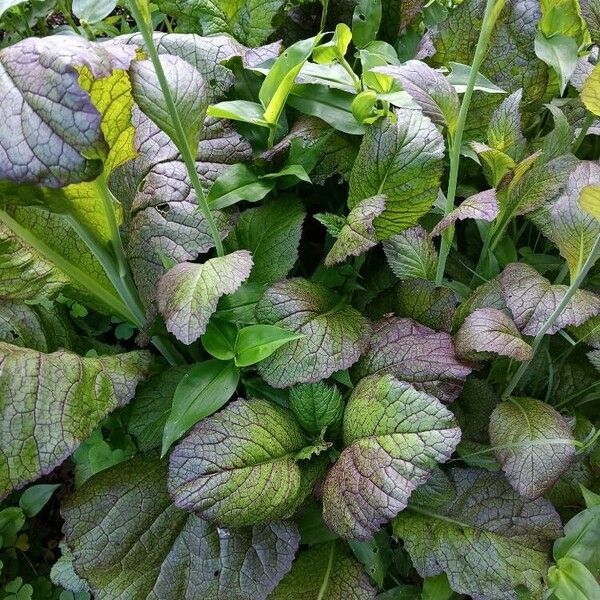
[
  {"x": 130, "y": 542},
  {"x": 534, "y": 444},
  {"x": 487, "y": 539},
  {"x": 327, "y": 572},
  {"x": 531, "y": 299},
  {"x": 238, "y": 468},
  {"x": 411, "y": 254},
  {"x": 415, "y": 354},
  {"x": 188, "y": 294},
  {"x": 491, "y": 331},
  {"x": 358, "y": 233},
  {"x": 429, "y": 89},
  {"x": 482, "y": 206},
  {"x": 402, "y": 159},
  {"x": 335, "y": 334},
  {"x": 52, "y": 402},
  {"x": 394, "y": 436},
  {"x": 317, "y": 406}
]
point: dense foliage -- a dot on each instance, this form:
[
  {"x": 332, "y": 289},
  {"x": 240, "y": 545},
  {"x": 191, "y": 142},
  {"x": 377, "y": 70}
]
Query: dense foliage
[{"x": 299, "y": 300}]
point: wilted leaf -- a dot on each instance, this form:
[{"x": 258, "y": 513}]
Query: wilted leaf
[
  {"x": 403, "y": 160},
  {"x": 415, "y": 354},
  {"x": 130, "y": 542},
  {"x": 52, "y": 402},
  {"x": 237, "y": 468},
  {"x": 335, "y": 334},
  {"x": 482, "y": 206},
  {"x": 411, "y": 254},
  {"x": 188, "y": 294},
  {"x": 489, "y": 330},
  {"x": 358, "y": 233},
  {"x": 394, "y": 435},
  {"x": 534, "y": 444},
  {"x": 487, "y": 539},
  {"x": 531, "y": 299}
]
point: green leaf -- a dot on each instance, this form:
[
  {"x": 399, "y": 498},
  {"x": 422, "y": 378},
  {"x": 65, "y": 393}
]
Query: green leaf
[
  {"x": 375, "y": 555},
  {"x": 272, "y": 234},
  {"x": 591, "y": 498},
  {"x": 394, "y": 436},
  {"x": 93, "y": 11},
  {"x": 589, "y": 200},
  {"x": 486, "y": 538},
  {"x": 57, "y": 400},
  {"x": 34, "y": 498},
  {"x": 239, "y": 110},
  {"x": 257, "y": 342},
  {"x": 317, "y": 407},
  {"x": 581, "y": 540},
  {"x": 238, "y": 468},
  {"x": 534, "y": 444},
  {"x": 358, "y": 233},
  {"x": 504, "y": 131},
  {"x": 6, "y": 4},
  {"x": 219, "y": 339},
  {"x": 204, "y": 389},
  {"x": 130, "y": 541},
  {"x": 336, "y": 48},
  {"x": 411, "y": 254},
  {"x": 437, "y": 588},
  {"x": 325, "y": 571},
  {"x": 239, "y": 307},
  {"x": 403, "y": 160},
  {"x": 570, "y": 580},
  {"x": 188, "y": 294},
  {"x": 365, "y": 21},
  {"x": 334, "y": 333},
  {"x": 560, "y": 52},
  {"x": 459, "y": 77},
  {"x": 12, "y": 520}
]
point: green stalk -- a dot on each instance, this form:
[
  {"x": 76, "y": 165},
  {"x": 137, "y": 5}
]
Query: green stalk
[
  {"x": 75, "y": 273},
  {"x": 325, "y": 4},
  {"x": 141, "y": 14},
  {"x": 573, "y": 287},
  {"x": 490, "y": 16}
]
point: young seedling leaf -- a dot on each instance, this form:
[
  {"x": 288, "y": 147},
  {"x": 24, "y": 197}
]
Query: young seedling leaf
[
  {"x": 317, "y": 406},
  {"x": 257, "y": 342},
  {"x": 411, "y": 254}
]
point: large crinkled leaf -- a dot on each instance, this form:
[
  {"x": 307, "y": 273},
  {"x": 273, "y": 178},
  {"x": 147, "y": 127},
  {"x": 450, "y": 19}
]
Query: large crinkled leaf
[
  {"x": 188, "y": 294},
  {"x": 358, "y": 232},
  {"x": 411, "y": 254},
  {"x": 415, "y": 354},
  {"x": 429, "y": 89},
  {"x": 130, "y": 542},
  {"x": 564, "y": 221},
  {"x": 239, "y": 468},
  {"x": 394, "y": 435},
  {"x": 24, "y": 274},
  {"x": 534, "y": 444},
  {"x": 403, "y": 160},
  {"x": 591, "y": 14},
  {"x": 327, "y": 572},
  {"x": 272, "y": 233},
  {"x": 50, "y": 403},
  {"x": 487, "y": 539},
  {"x": 491, "y": 331},
  {"x": 335, "y": 334},
  {"x": 49, "y": 129},
  {"x": 531, "y": 299},
  {"x": 482, "y": 206}
]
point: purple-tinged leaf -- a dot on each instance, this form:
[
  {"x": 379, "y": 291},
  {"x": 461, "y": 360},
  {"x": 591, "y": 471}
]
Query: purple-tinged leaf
[
  {"x": 335, "y": 334},
  {"x": 482, "y": 206},
  {"x": 591, "y": 14},
  {"x": 415, "y": 354},
  {"x": 487, "y": 295},
  {"x": 504, "y": 131},
  {"x": 411, "y": 254},
  {"x": 531, "y": 299},
  {"x": 594, "y": 357},
  {"x": 188, "y": 294},
  {"x": 394, "y": 435},
  {"x": 490, "y": 331},
  {"x": 534, "y": 444}
]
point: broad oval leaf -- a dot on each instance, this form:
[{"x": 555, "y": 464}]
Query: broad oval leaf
[
  {"x": 486, "y": 538},
  {"x": 335, "y": 334},
  {"x": 394, "y": 436},
  {"x": 534, "y": 444},
  {"x": 53, "y": 402},
  {"x": 327, "y": 572},
  {"x": 403, "y": 160},
  {"x": 531, "y": 299},
  {"x": 415, "y": 354},
  {"x": 130, "y": 542},
  {"x": 238, "y": 467},
  {"x": 489, "y": 330},
  {"x": 411, "y": 254},
  {"x": 188, "y": 294}
]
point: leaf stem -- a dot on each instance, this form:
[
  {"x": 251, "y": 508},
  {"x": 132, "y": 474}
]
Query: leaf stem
[
  {"x": 325, "y": 4},
  {"x": 573, "y": 287},
  {"x": 490, "y": 16},
  {"x": 141, "y": 17}
]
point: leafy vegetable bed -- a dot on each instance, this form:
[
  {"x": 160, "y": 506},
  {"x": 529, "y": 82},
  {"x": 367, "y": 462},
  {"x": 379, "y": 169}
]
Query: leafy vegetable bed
[{"x": 299, "y": 300}]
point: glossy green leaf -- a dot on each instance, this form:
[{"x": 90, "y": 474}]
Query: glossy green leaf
[
  {"x": 365, "y": 21},
  {"x": 581, "y": 540},
  {"x": 317, "y": 406},
  {"x": 239, "y": 110},
  {"x": 336, "y": 48},
  {"x": 34, "y": 498},
  {"x": 92, "y": 11},
  {"x": 219, "y": 339},
  {"x": 560, "y": 52},
  {"x": 257, "y": 342},
  {"x": 570, "y": 580}
]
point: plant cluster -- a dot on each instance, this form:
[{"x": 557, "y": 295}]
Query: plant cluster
[{"x": 300, "y": 300}]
